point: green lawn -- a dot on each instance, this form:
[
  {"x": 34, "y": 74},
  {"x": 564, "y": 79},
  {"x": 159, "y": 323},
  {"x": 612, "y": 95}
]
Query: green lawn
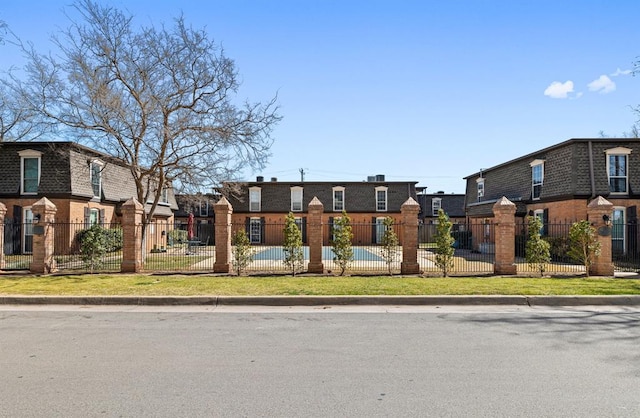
[{"x": 189, "y": 285}]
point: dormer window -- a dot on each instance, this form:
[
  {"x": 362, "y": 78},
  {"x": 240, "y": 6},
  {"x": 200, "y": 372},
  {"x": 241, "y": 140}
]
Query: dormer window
[
  {"x": 381, "y": 199},
  {"x": 30, "y": 162},
  {"x": 436, "y": 204},
  {"x": 617, "y": 169},
  {"x": 96, "y": 177},
  {"x": 338, "y": 199},
  {"x": 296, "y": 199},
  {"x": 537, "y": 178},
  {"x": 480, "y": 185},
  {"x": 254, "y": 199}
]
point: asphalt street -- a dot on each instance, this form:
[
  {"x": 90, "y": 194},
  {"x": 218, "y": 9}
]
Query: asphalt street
[{"x": 319, "y": 361}]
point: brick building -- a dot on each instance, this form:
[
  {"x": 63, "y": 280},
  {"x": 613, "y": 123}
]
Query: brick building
[
  {"x": 558, "y": 182},
  {"x": 86, "y": 186},
  {"x": 452, "y": 204},
  {"x": 261, "y": 206}
]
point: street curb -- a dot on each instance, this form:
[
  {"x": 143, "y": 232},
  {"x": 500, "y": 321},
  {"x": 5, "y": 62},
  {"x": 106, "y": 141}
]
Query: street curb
[{"x": 617, "y": 300}]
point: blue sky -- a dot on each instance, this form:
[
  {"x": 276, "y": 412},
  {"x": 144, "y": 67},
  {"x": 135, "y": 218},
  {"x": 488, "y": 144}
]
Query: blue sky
[{"x": 429, "y": 91}]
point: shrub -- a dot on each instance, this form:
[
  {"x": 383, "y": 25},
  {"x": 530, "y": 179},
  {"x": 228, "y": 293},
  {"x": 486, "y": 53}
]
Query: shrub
[
  {"x": 93, "y": 246},
  {"x": 177, "y": 236},
  {"x": 584, "y": 245}
]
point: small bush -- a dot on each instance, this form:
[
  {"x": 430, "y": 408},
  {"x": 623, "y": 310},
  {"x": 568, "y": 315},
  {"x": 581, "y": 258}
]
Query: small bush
[{"x": 177, "y": 236}]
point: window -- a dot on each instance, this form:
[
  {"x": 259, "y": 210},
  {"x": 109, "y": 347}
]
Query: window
[
  {"x": 96, "y": 178},
  {"x": 537, "y": 178},
  {"x": 338, "y": 199},
  {"x": 255, "y": 231},
  {"x": 296, "y": 199},
  {"x": 203, "y": 208},
  {"x": 618, "y": 238},
  {"x": 164, "y": 197},
  {"x": 381, "y": 199},
  {"x": 29, "y": 171},
  {"x": 254, "y": 199},
  {"x": 94, "y": 217},
  {"x": 539, "y": 214},
  {"x": 480, "y": 182},
  {"x": 436, "y": 204},
  {"x": 617, "y": 167}
]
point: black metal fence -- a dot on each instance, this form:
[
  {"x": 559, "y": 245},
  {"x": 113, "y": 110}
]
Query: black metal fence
[
  {"x": 557, "y": 235},
  {"x": 473, "y": 249},
  {"x": 79, "y": 247},
  {"x": 170, "y": 248},
  {"x": 18, "y": 245},
  {"x": 625, "y": 247}
]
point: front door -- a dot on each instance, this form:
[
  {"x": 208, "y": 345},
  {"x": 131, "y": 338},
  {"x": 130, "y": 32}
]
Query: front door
[{"x": 618, "y": 231}]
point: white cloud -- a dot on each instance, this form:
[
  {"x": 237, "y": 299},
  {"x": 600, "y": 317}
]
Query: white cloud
[
  {"x": 602, "y": 85},
  {"x": 558, "y": 90},
  {"x": 620, "y": 72}
]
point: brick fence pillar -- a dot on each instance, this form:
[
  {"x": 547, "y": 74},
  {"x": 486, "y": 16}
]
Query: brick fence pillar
[
  {"x": 43, "y": 236},
  {"x": 505, "y": 246},
  {"x": 132, "y": 261},
  {"x": 223, "y": 211},
  {"x": 410, "y": 210},
  {"x": 314, "y": 236},
  {"x": 599, "y": 214},
  {"x": 3, "y": 212}
]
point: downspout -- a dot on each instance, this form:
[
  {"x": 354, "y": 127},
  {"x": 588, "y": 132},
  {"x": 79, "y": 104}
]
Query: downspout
[{"x": 591, "y": 175}]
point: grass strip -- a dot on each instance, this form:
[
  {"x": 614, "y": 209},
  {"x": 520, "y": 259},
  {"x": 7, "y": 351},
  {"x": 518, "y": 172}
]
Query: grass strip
[{"x": 206, "y": 285}]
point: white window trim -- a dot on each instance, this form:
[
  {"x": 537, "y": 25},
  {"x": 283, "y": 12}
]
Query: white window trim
[
  {"x": 433, "y": 201},
  {"x": 386, "y": 197},
  {"x": 339, "y": 189},
  {"x": 480, "y": 187},
  {"x": 101, "y": 164},
  {"x": 259, "y": 201},
  {"x": 206, "y": 206},
  {"x": 164, "y": 196},
  {"x": 533, "y": 164},
  {"x": 29, "y": 153},
  {"x": 255, "y": 221},
  {"x": 294, "y": 190},
  {"x": 618, "y": 151}
]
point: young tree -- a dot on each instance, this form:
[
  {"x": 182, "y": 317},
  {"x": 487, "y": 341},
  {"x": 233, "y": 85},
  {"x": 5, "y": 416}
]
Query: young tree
[
  {"x": 161, "y": 98},
  {"x": 444, "y": 244},
  {"x": 538, "y": 251},
  {"x": 242, "y": 251},
  {"x": 584, "y": 245},
  {"x": 292, "y": 245},
  {"x": 389, "y": 243},
  {"x": 341, "y": 242}
]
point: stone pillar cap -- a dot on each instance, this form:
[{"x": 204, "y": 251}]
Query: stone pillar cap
[
  {"x": 315, "y": 202},
  {"x": 133, "y": 202},
  {"x": 600, "y": 202},
  {"x": 410, "y": 202},
  {"x": 223, "y": 202},
  {"x": 46, "y": 203}
]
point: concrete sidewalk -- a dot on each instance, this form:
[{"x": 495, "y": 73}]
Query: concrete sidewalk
[{"x": 324, "y": 300}]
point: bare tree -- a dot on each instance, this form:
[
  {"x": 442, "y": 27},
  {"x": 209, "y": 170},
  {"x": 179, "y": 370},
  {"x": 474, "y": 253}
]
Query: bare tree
[{"x": 163, "y": 99}]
